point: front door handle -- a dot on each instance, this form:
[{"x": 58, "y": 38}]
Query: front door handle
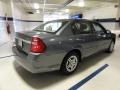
[{"x": 101, "y": 35}]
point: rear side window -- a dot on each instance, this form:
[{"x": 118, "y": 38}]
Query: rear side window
[
  {"x": 81, "y": 28},
  {"x": 98, "y": 28}
]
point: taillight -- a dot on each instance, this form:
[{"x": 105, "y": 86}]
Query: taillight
[{"x": 37, "y": 45}]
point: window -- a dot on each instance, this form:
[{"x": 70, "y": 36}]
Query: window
[
  {"x": 81, "y": 28},
  {"x": 98, "y": 28},
  {"x": 50, "y": 26}
]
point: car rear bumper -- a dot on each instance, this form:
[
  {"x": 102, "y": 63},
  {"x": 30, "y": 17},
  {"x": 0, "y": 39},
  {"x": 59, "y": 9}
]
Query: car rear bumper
[{"x": 37, "y": 63}]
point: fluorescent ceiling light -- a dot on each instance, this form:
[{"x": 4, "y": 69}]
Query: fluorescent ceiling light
[
  {"x": 67, "y": 10},
  {"x": 82, "y": 3},
  {"x": 36, "y": 6},
  {"x": 37, "y": 11}
]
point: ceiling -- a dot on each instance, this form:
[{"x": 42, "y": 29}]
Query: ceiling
[
  {"x": 49, "y": 6},
  {"x": 89, "y": 4}
]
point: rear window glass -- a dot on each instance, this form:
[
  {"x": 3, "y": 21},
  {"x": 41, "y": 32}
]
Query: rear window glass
[{"x": 50, "y": 26}]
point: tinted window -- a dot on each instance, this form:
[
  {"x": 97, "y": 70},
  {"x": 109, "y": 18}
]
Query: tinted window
[
  {"x": 81, "y": 28},
  {"x": 98, "y": 28}
]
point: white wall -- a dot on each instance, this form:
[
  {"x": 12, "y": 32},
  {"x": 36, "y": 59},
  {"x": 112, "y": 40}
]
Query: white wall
[
  {"x": 21, "y": 14},
  {"x": 103, "y": 13},
  {"x": 23, "y": 21},
  {"x": 4, "y": 8},
  {"x": 54, "y": 16}
]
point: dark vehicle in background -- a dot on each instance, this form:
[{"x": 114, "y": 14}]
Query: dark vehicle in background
[{"x": 61, "y": 45}]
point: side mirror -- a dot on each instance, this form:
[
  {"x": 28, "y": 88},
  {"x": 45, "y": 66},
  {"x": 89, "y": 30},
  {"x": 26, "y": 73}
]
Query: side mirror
[{"x": 108, "y": 31}]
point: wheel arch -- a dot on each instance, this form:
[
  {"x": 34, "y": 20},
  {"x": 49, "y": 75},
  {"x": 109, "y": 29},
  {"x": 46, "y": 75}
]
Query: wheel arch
[
  {"x": 114, "y": 40},
  {"x": 64, "y": 60},
  {"x": 76, "y": 51}
]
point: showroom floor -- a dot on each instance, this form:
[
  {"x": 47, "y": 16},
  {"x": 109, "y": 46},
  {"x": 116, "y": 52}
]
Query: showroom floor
[{"x": 14, "y": 77}]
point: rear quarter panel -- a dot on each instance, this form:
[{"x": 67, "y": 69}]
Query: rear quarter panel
[{"x": 58, "y": 46}]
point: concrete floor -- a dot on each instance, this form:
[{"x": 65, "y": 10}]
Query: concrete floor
[{"x": 14, "y": 77}]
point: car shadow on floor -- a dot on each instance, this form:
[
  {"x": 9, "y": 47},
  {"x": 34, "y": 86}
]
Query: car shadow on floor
[{"x": 42, "y": 80}]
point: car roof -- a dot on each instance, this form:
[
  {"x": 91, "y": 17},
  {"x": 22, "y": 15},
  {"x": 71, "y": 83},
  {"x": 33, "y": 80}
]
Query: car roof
[{"x": 74, "y": 20}]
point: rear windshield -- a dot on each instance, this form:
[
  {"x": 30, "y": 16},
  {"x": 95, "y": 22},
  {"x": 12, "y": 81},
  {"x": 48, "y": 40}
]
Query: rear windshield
[{"x": 52, "y": 27}]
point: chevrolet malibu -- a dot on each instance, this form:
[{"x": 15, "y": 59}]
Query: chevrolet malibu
[{"x": 61, "y": 45}]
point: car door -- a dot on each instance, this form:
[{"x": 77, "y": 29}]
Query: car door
[
  {"x": 84, "y": 38},
  {"x": 103, "y": 38}
]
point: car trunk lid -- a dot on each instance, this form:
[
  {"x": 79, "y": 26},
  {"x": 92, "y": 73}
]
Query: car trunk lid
[{"x": 23, "y": 39}]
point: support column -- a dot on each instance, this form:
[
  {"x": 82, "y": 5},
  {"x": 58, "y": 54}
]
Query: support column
[{"x": 118, "y": 16}]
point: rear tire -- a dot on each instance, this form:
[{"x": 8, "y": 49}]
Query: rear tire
[
  {"x": 70, "y": 63},
  {"x": 111, "y": 47}
]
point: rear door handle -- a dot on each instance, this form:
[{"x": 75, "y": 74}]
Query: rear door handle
[{"x": 78, "y": 39}]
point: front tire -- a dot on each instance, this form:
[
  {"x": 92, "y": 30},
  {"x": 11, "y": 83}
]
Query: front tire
[
  {"x": 111, "y": 47},
  {"x": 70, "y": 63}
]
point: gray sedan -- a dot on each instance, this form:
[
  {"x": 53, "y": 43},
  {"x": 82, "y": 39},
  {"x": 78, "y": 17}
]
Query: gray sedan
[{"x": 61, "y": 45}]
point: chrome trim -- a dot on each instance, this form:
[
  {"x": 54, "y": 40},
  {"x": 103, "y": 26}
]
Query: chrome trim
[{"x": 29, "y": 42}]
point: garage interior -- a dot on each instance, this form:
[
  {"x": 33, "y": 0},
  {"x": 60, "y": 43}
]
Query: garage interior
[{"x": 24, "y": 15}]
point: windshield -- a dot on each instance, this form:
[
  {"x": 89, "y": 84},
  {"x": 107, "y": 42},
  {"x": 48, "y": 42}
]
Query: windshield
[{"x": 50, "y": 26}]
